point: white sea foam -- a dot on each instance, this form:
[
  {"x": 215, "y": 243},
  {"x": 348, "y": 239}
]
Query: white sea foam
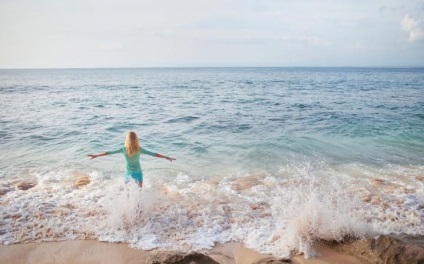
[{"x": 283, "y": 213}]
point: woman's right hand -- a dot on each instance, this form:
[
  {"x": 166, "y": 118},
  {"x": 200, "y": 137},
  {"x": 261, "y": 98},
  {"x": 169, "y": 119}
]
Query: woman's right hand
[{"x": 98, "y": 155}]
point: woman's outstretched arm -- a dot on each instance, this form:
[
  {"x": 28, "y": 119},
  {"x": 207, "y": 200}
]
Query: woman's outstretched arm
[
  {"x": 164, "y": 157},
  {"x": 93, "y": 156},
  {"x": 145, "y": 151},
  {"x": 105, "y": 153}
]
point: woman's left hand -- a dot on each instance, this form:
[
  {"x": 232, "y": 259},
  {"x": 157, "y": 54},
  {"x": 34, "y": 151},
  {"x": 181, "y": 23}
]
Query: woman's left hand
[{"x": 170, "y": 159}]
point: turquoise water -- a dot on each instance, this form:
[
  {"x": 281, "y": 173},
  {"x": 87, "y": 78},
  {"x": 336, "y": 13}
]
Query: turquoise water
[
  {"x": 342, "y": 126},
  {"x": 254, "y": 117}
]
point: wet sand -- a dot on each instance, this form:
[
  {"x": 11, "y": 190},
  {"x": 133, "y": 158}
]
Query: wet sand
[{"x": 89, "y": 251}]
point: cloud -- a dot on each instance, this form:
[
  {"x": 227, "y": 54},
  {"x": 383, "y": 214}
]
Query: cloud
[{"x": 413, "y": 27}]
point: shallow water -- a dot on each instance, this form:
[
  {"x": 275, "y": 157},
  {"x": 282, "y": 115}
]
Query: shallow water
[{"x": 277, "y": 158}]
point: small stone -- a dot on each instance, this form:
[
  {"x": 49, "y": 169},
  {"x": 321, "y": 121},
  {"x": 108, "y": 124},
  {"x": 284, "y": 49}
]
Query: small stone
[
  {"x": 82, "y": 181},
  {"x": 245, "y": 183},
  {"x": 420, "y": 178},
  {"x": 3, "y": 191},
  {"x": 25, "y": 185},
  {"x": 377, "y": 182}
]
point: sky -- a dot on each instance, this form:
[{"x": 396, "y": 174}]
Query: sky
[{"x": 211, "y": 33}]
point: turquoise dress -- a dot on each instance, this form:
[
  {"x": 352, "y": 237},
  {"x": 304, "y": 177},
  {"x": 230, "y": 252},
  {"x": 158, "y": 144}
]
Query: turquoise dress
[{"x": 133, "y": 168}]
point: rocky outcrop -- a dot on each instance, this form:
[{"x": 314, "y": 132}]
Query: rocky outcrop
[
  {"x": 179, "y": 258},
  {"x": 274, "y": 261},
  {"x": 384, "y": 250}
]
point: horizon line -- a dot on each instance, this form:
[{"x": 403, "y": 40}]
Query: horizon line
[{"x": 191, "y": 67}]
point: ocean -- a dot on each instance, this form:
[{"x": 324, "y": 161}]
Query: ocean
[{"x": 276, "y": 158}]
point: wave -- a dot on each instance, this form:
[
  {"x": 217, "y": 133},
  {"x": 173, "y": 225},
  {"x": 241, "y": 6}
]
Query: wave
[
  {"x": 288, "y": 212},
  {"x": 186, "y": 119}
]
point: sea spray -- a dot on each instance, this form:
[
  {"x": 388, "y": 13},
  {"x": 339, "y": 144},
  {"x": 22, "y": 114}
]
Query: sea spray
[
  {"x": 322, "y": 207},
  {"x": 282, "y": 213}
]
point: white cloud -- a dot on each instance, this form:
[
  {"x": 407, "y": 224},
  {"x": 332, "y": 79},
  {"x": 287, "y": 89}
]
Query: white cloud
[{"x": 413, "y": 27}]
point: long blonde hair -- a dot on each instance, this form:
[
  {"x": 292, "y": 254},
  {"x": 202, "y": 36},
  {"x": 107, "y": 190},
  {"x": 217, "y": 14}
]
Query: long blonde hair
[{"x": 132, "y": 145}]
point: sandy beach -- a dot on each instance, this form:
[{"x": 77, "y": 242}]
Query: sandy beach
[
  {"x": 381, "y": 250},
  {"x": 89, "y": 251}
]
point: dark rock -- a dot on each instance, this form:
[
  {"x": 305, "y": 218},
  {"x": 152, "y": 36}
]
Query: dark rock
[
  {"x": 3, "y": 191},
  {"x": 274, "y": 261},
  {"x": 387, "y": 250},
  {"x": 179, "y": 258},
  {"x": 23, "y": 185}
]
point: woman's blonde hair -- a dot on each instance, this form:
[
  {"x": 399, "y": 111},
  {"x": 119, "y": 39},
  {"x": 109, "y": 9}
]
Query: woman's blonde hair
[{"x": 132, "y": 145}]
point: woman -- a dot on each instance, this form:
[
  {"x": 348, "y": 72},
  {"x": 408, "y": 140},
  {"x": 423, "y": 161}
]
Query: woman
[{"x": 132, "y": 153}]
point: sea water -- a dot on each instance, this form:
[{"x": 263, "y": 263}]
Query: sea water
[{"x": 276, "y": 158}]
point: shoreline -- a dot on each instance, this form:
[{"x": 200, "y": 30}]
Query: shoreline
[
  {"x": 92, "y": 251},
  {"x": 383, "y": 250}
]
